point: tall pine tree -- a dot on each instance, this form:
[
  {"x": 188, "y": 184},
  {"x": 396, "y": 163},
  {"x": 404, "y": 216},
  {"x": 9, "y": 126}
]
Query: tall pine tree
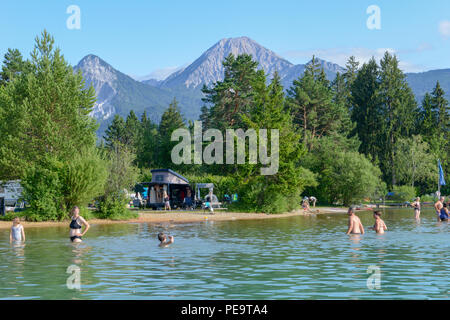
[{"x": 398, "y": 108}]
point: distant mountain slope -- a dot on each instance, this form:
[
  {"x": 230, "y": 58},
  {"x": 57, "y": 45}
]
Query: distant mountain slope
[
  {"x": 208, "y": 68},
  {"x": 423, "y": 82},
  {"x": 118, "y": 93},
  {"x": 288, "y": 75}
]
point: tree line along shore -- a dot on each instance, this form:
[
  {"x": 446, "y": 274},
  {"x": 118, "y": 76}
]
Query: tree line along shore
[{"x": 345, "y": 141}]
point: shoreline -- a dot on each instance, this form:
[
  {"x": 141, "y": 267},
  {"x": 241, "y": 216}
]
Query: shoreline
[{"x": 182, "y": 217}]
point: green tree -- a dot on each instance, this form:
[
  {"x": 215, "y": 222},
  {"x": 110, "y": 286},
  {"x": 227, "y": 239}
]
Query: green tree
[
  {"x": 122, "y": 177},
  {"x": 441, "y": 106},
  {"x": 337, "y": 167},
  {"x": 47, "y": 134},
  {"x": 280, "y": 191},
  {"x": 415, "y": 162},
  {"x": 44, "y": 112},
  {"x": 115, "y": 132},
  {"x": 13, "y": 65},
  {"x": 352, "y": 177},
  {"x": 148, "y": 148},
  {"x": 398, "y": 108},
  {"x": 365, "y": 106},
  {"x": 233, "y": 96},
  {"x": 133, "y": 130},
  {"x": 312, "y": 105},
  {"x": 427, "y": 122},
  {"x": 83, "y": 178},
  {"x": 351, "y": 71},
  {"x": 171, "y": 120}
]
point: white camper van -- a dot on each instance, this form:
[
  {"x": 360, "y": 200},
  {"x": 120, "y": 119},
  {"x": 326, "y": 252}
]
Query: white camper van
[{"x": 10, "y": 194}]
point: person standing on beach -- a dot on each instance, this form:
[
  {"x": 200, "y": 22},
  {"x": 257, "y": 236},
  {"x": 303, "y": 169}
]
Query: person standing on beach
[
  {"x": 313, "y": 200},
  {"x": 438, "y": 206},
  {"x": 76, "y": 226},
  {"x": 416, "y": 206},
  {"x": 166, "y": 201},
  {"x": 17, "y": 233},
  {"x": 354, "y": 224},
  {"x": 379, "y": 225}
]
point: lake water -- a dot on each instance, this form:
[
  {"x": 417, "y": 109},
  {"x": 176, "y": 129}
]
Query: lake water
[{"x": 286, "y": 258}]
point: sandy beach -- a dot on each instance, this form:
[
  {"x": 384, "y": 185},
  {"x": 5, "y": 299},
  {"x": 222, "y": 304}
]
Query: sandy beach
[{"x": 150, "y": 216}]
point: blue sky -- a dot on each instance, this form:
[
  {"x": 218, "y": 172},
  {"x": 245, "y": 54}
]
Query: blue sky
[{"x": 138, "y": 37}]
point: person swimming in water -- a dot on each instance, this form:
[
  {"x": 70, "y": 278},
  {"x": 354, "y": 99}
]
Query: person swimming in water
[
  {"x": 416, "y": 206},
  {"x": 379, "y": 225},
  {"x": 163, "y": 240},
  {"x": 354, "y": 224},
  {"x": 17, "y": 233},
  {"x": 76, "y": 226}
]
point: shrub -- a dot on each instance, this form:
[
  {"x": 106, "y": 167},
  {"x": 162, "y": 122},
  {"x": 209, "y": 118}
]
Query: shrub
[
  {"x": 42, "y": 191},
  {"x": 52, "y": 187},
  {"x": 115, "y": 209},
  {"x": 83, "y": 178},
  {"x": 122, "y": 176},
  {"x": 403, "y": 193},
  {"x": 428, "y": 198}
]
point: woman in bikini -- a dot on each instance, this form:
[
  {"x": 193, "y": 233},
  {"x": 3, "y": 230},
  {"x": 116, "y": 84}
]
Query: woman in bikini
[
  {"x": 76, "y": 225},
  {"x": 416, "y": 206},
  {"x": 379, "y": 225}
]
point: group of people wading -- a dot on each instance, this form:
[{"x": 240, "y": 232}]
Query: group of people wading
[
  {"x": 354, "y": 223},
  {"x": 355, "y": 226}
]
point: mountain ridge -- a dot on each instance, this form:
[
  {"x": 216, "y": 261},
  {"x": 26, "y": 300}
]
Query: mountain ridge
[{"x": 118, "y": 93}]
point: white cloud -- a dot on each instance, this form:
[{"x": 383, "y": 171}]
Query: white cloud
[{"x": 444, "y": 28}]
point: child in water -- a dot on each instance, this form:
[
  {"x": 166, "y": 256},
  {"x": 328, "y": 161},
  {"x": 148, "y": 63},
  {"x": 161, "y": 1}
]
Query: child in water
[
  {"x": 163, "y": 239},
  {"x": 444, "y": 212},
  {"x": 17, "y": 233},
  {"x": 379, "y": 225}
]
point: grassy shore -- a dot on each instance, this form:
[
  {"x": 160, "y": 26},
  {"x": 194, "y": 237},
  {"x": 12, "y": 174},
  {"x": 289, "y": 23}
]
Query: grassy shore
[{"x": 150, "y": 216}]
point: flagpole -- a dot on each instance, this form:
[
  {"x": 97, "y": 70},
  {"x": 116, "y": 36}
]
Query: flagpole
[{"x": 439, "y": 182}]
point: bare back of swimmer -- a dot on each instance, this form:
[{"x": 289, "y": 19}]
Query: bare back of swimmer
[{"x": 354, "y": 223}]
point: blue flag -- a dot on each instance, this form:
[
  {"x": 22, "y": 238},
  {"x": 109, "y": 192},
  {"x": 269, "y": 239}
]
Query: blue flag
[{"x": 441, "y": 174}]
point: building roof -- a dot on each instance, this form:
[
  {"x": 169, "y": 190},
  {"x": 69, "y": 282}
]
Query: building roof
[{"x": 168, "y": 171}]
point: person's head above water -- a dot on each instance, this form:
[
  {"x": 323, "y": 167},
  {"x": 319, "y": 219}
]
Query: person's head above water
[
  {"x": 161, "y": 237},
  {"x": 377, "y": 213},
  {"x": 75, "y": 211},
  {"x": 351, "y": 210}
]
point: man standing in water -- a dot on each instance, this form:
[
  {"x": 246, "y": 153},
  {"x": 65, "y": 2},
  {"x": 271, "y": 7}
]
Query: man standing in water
[
  {"x": 354, "y": 224},
  {"x": 438, "y": 206}
]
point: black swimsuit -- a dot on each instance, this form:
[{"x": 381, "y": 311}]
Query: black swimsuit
[{"x": 74, "y": 225}]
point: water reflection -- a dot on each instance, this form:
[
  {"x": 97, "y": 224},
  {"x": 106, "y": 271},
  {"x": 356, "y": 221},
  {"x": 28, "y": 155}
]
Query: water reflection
[
  {"x": 18, "y": 248},
  {"x": 79, "y": 249},
  {"x": 291, "y": 258}
]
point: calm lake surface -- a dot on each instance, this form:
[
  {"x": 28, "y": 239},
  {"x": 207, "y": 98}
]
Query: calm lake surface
[{"x": 285, "y": 258}]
